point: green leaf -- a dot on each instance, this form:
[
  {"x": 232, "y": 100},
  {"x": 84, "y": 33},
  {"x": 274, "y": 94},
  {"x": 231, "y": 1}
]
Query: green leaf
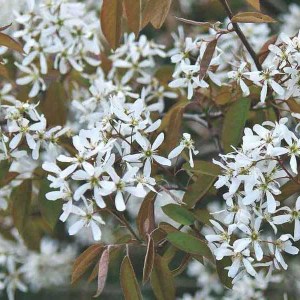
[
  {"x": 111, "y": 20},
  {"x": 133, "y": 13},
  {"x": 189, "y": 244},
  {"x": 223, "y": 273},
  {"x": 234, "y": 123},
  {"x": 162, "y": 280},
  {"x": 198, "y": 189},
  {"x": 203, "y": 167},
  {"x": 21, "y": 199},
  {"x": 50, "y": 210},
  {"x": 129, "y": 283},
  {"x": 179, "y": 214}
]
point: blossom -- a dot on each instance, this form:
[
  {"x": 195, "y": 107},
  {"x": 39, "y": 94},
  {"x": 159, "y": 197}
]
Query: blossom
[{"x": 188, "y": 143}]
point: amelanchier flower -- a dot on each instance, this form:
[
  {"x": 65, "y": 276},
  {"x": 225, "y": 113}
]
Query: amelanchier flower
[{"x": 185, "y": 143}]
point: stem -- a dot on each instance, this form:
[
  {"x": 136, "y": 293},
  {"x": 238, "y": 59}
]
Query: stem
[{"x": 242, "y": 37}]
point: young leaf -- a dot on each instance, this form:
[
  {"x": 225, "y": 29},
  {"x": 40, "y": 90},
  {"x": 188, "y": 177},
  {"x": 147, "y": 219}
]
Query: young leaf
[
  {"x": 129, "y": 283},
  {"x": 21, "y": 199},
  {"x": 207, "y": 57},
  {"x": 156, "y": 12},
  {"x": 7, "y": 41},
  {"x": 234, "y": 123},
  {"x": 133, "y": 13},
  {"x": 171, "y": 123},
  {"x": 111, "y": 19},
  {"x": 252, "y": 17},
  {"x": 145, "y": 218},
  {"x": 189, "y": 244},
  {"x": 103, "y": 270},
  {"x": 162, "y": 280},
  {"x": 179, "y": 214},
  {"x": 54, "y": 106},
  {"x": 85, "y": 261},
  {"x": 254, "y": 3},
  {"x": 149, "y": 260}
]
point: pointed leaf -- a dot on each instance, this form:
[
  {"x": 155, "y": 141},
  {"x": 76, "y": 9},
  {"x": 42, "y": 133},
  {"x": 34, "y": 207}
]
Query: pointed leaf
[
  {"x": 252, "y": 17},
  {"x": 189, "y": 244},
  {"x": 129, "y": 284},
  {"x": 234, "y": 123},
  {"x": 162, "y": 280},
  {"x": 207, "y": 57},
  {"x": 179, "y": 214},
  {"x": 103, "y": 270},
  {"x": 7, "y": 41},
  {"x": 149, "y": 260}
]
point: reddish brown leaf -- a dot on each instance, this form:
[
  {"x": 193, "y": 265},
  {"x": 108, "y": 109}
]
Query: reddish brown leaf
[
  {"x": 133, "y": 13},
  {"x": 145, "y": 219},
  {"x": 207, "y": 57},
  {"x": 156, "y": 12},
  {"x": 7, "y": 41},
  {"x": 111, "y": 20},
  {"x": 254, "y": 3},
  {"x": 85, "y": 261},
  {"x": 103, "y": 270},
  {"x": 264, "y": 51},
  {"x": 252, "y": 17},
  {"x": 149, "y": 260}
]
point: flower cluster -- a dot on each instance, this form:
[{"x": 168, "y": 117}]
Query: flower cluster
[
  {"x": 253, "y": 176},
  {"x": 23, "y": 269},
  {"x": 58, "y": 35}
]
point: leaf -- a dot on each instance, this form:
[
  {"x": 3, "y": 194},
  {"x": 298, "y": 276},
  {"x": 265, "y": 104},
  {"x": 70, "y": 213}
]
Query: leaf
[
  {"x": 195, "y": 23},
  {"x": 54, "y": 106},
  {"x": 223, "y": 273},
  {"x": 7, "y": 41},
  {"x": 85, "y": 261},
  {"x": 171, "y": 124},
  {"x": 162, "y": 280},
  {"x": 203, "y": 167},
  {"x": 184, "y": 263},
  {"x": 103, "y": 270},
  {"x": 288, "y": 189},
  {"x": 145, "y": 218},
  {"x": 129, "y": 284},
  {"x": 111, "y": 20},
  {"x": 234, "y": 123},
  {"x": 252, "y": 17},
  {"x": 149, "y": 260},
  {"x": 293, "y": 105},
  {"x": 156, "y": 12},
  {"x": 133, "y": 13},
  {"x": 21, "y": 199},
  {"x": 264, "y": 51},
  {"x": 179, "y": 214},
  {"x": 198, "y": 189},
  {"x": 189, "y": 244},
  {"x": 202, "y": 215},
  {"x": 50, "y": 210},
  {"x": 254, "y": 3},
  {"x": 207, "y": 57}
]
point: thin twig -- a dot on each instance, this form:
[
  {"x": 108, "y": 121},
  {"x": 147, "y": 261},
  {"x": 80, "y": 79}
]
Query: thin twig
[{"x": 242, "y": 37}]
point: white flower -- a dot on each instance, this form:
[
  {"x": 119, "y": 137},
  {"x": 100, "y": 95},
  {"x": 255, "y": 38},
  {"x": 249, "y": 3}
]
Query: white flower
[
  {"x": 188, "y": 143},
  {"x": 87, "y": 217}
]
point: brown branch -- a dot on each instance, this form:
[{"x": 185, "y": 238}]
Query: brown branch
[{"x": 242, "y": 37}]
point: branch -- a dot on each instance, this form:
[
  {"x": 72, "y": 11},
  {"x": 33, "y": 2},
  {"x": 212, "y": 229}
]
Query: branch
[{"x": 242, "y": 37}]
